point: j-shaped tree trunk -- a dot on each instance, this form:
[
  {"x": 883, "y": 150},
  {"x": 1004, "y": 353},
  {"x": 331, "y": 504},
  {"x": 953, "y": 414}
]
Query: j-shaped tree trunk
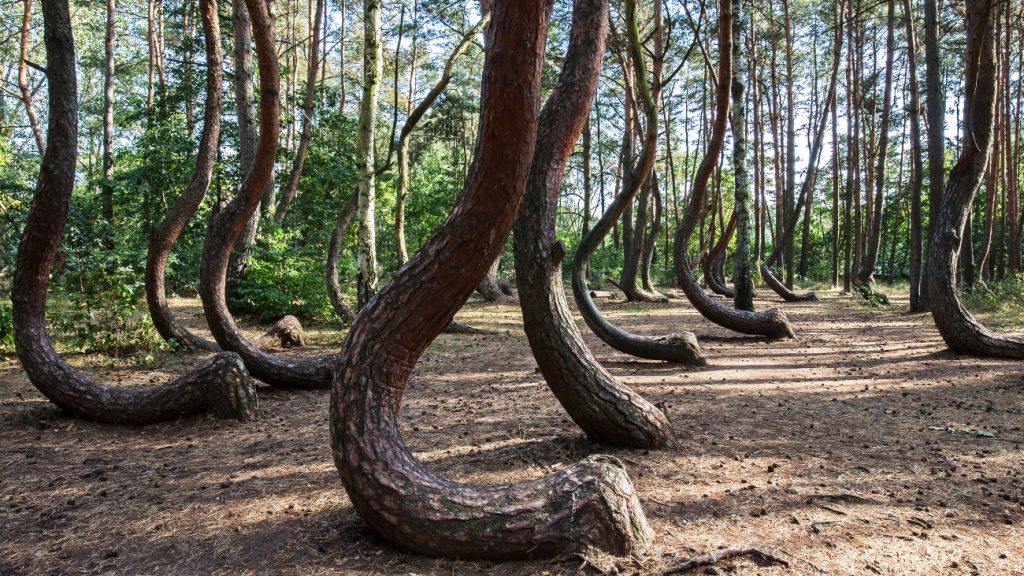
[
  {"x": 607, "y": 411},
  {"x": 308, "y": 102},
  {"x": 589, "y": 505},
  {"x": 772, "y": 323},
  {"x": 226, "y": 227},
  {"x": 961, "y": 331},
  {"x": 341, "y": 224},
  {"x": 494, "y": 288},
  {"x": 221, "y": 385},
  {"x": 164, "y": 236},
  {"x": 677, "y": 347},
  {"x": 651, "y": 240},
  {"x": 402, "y": 195},
  {"x": 714, "y": 259}
]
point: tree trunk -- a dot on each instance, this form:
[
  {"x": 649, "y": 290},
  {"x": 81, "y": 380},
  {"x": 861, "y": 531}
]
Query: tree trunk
[
  {"x": 221, "y": 385},
  {"x": 958, "y": 327},
  {"x": 591, "y": 504},
  {"x": 875, "y": 221},
  {"x": 772, "y": 323},
  {"x": 341, "y": 224},
  {"x": 916, "y": 166},
  {"x": 715, "y": 256},
  {"x": 107, "y": 188},
  {"x": 742, "y": 273},
  {"x": 227, "y": 225},
  {"x": 245, "y": 110},
  {"x": 26, "y": 92},
  {"x": 308, "y": 104},
  {"x": 367, "y": 282},
  {"x": 607, "y": 411},
  {"x": 678, "y": 347},
  {"x": 164, "y": 236},
  {"x": 935, "y": 102}
]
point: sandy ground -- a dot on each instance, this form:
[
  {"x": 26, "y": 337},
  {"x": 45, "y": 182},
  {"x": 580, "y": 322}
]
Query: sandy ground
[{"x": 850, "y": 450}]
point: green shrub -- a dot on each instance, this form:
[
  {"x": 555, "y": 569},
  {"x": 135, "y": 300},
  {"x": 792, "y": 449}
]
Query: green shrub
[{"x": 6, "y": 326}]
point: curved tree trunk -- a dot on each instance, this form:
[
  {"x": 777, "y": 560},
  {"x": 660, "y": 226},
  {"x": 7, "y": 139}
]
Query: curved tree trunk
[
  {"x": 334, "y": 292},
  {"x": 711, "y": 261},
  {"x": 651, "y": 240},
  {"x": 961, "y": 331},
  {"x": 591, "y": 504},
  {"x": 677, "y": 347},
  {"x": 227, "y": 225},
  {"x": 496, "y": 289},
  {"x": 607, "y": 411},
  {"x": 221, "y": 385},
  {"x": 164, "y": 236},
  {"x": 772, "y": 323}
]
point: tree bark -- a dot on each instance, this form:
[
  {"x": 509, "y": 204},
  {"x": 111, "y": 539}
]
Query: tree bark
[
  {"x": 677, "y": 347},
  {"x": 308, "y": 104},
  {"x": 742, "y": 274},
  {"x": 874, "y": 236},
  {"x": 26, "y": 92},
  {"x": 935, "y": 102},
  {"x": 607, "y": 411},
  {"x": 221, "y": 385},
  {"x": 367, "y": 282},
  {"x": 961, "y": 331},
  {"x": 772, "y": 323},
  {"x": 245, "y": 110},
  {"x": 227, "y": 225},
  {"x": 107, "y": 187},
  {"x": 591, "y": 504},
  {"x": 341, "y": 224},
  {"x": 164, "y": 236},
  {"x": 916, "y": 164}
]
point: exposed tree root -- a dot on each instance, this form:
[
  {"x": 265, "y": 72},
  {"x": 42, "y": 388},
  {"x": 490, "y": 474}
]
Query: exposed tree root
[
  {"x": 285, "y": 333},
  {"x": 454, "y": 327},
  {"x": 712, "y": 558}
]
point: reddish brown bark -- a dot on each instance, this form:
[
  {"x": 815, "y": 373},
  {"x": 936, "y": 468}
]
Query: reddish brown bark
[
  {"x": 221, "y": 385},
  {"x": 164, "y": 236},
  {"x": 677, "y": 347},
  {"x": 961, "y": 331},
  {"x": 772, "y": 323},
  {"x": 226, "y": 227},
  {"x": 592, "y": 504},
  {"x": 606, "y": 410}
]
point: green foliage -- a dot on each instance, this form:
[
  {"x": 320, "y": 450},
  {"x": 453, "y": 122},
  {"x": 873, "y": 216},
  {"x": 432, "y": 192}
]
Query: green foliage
[
  {"x": 108, "y": 316},
  {"x": 6, "y": 326},
  {"x": 1006, "y": 295},
  {"x": 870, "y": 296},
  {"x": 285, "y": 276}
]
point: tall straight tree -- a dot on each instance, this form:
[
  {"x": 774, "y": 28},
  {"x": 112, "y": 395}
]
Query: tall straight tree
[
  {"x": 366, "y": 242},
  {"x": 916, "y": 163},
  {"x": 107, "y": 187},
  {"x": 935, "y": 102},
  {"x": 742, "y": 278},
  {"x": 874, "y": 235},
  {"x": 308, "y": 104}
]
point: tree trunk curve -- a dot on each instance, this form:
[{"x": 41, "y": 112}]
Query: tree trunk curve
[
  {"x": 220, "y": 385},
  {"x": 591, "y": 504}
]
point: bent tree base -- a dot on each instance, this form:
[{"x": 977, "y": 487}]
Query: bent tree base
[
  {"x": 591, "y": 504},
  {"x": 221, "y": 385},
  {"x": 785, "y": 293}
]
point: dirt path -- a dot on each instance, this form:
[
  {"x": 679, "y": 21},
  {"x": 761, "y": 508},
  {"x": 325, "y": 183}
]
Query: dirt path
[{"x": 846, "y": 451}]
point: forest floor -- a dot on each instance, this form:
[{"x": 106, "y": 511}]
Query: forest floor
[{"x": 862, "y": 447}]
